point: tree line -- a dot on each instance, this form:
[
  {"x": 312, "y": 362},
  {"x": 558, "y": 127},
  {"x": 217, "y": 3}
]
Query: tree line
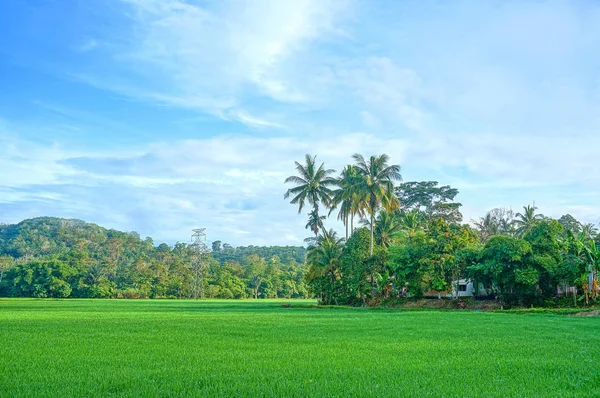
[
  {"x": 52, "y": 257},
  {"x": 408, "y": 239}
]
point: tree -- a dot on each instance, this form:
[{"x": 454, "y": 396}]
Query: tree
[
  {"x": 312, "y": 184},
  {"x": 256, "y": 269},
  {"x": 497, "y": 221},
  {"x": 43, "y": 279},
  {"x": 431, "y": 200},
  {"x": 569, "y": 223},
  {"x": 592, "y": 252},
  {"x": 374, "y": 186},
  {"x": 6, "y": 264},
  {"x": 216, "y": 246},
  {"x": 428, "y": 260},
  {"x": 526, "y": 220},
  {"x": 547, "y": 246},
  {"x": 324, "y": 260},
  {"x": 356, "y": 268},
  {"x": 506, "y": 265},
  {"x": 411, "y": 223},
  {"x": 346, "y": 198},
  {"x": 315, "y": 222},
  {"x": 387, "y": 227},
  {"x": 590, "y": 231}
]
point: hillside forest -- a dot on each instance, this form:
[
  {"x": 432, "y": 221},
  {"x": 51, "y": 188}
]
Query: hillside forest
[{"x": 59, "y": 258}]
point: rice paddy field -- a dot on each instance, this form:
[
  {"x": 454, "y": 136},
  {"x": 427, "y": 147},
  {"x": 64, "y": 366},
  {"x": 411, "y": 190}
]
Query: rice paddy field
[{"x": 98, "y": 348}]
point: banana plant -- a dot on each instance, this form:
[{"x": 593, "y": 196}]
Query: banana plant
[{"x": 592, "y": 252}]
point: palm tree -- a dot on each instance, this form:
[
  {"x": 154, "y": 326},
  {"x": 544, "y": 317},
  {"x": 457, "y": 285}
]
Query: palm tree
[
  {"x": 315, "y": 222},
  {"x": 374, "y": 186},
  {"x": 411, "y": 223},
  {"x": 590, "y": 231},
  {"x": 344, "y": 196},
  {"x": 312, "y": 184},
  {"x": 486, "y": 227},
  {"x": 498, "y": 221},
  {"x": 324, "y": 258},
  {"x": 526, "y": 220},
  {"x": 387, "y": 227}
]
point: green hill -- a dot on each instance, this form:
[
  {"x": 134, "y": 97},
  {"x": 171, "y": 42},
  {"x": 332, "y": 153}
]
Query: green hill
[{"x": 55, "y": 257}]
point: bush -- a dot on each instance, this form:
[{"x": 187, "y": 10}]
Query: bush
[{"x": 132, "y": 293}]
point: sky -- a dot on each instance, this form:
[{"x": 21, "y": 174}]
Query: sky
[{"x": 159, "y": 116}]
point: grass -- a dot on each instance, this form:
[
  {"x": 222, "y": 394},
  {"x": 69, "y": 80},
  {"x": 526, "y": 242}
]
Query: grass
[{"x": 97, "y": 348}]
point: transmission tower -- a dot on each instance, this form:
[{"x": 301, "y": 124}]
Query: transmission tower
[{"x": 199, "y": 263}]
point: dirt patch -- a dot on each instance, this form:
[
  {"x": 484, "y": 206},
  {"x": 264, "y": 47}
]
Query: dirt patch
[
  {"x": 461, "y": 304},
  {"x": 587, "y": 313}
]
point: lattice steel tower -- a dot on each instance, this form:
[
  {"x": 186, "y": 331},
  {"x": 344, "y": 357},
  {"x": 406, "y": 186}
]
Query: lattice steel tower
[{"x": 199, "y": 262}]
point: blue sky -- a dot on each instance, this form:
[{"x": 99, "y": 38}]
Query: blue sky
[{"x": 162, "y": 116}]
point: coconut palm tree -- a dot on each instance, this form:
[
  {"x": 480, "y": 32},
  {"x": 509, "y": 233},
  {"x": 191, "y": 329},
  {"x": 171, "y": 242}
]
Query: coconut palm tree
[
  {"x": 374, "y": 186},
  {"x": 387, "y": 227},
  {"x": 324, "y": 258},
  {"x": 486, "y": 227},
  {"x": 315, "y": 222},
  {"x": 312, "y": 184},
  {"x": 342, "y": 197},
  {"x": 590, "y": 231},
  {"x": 345, "y": 198},
  {"x": 526, "y": 220},
  {"x": 411, "y": 223},
  {"x": 499, "y": 221}
]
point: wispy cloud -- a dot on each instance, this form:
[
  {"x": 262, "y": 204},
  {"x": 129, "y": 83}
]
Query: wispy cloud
[
  {"x": 87, "y": 45},
  {"x": 236, "y": 183},
  {"x": 185, "y": 55},
  {"x": 500, "y": 100}
]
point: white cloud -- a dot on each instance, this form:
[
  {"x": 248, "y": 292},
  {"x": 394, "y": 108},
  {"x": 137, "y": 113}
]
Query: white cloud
[
  {"x": 183, "y": 54},
  {"x": 252, "y": 121},
  {"x": 234, "y": 185},
  {"x": 87, "y": 45},
  {"x": 501, "y": 101}
]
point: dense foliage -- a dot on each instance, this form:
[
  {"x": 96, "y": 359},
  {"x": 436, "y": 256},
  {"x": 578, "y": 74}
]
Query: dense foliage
[
  {"x": 414, "y": 245},
  {"x": 51, "y": 257}
]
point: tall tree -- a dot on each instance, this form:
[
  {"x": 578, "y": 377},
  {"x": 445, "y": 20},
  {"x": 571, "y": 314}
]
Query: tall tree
[
  {"x": 570, "y": 224},
  {"x": 431, "y": 200},
  {"x": 526, "y": 220},
  {"x": 313, "y": 184},
  {"x": 324, "y": 260},
  {"x": 6, "y": 263},
  {"x": 256, "y": 269},
  {"x": 346, "y": 198},
  {"x": 315, "y": 222},
  {"x": 387, "y": 227},
  {"x": 592, "y": 252},
  {"x": 590, "y": 231},
  {"x": 374, "y": 185},
  {"x": 499, "y": 221}
]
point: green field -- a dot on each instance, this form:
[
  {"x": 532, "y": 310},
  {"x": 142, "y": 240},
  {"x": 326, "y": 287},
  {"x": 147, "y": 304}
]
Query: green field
[{"x": 259, "y": 349}]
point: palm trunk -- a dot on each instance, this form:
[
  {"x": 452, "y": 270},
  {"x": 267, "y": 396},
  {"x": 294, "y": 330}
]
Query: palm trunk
[
  {"x": 352, "y": 223},
  {"x": 346, "y": 224},
  {"x": 372, "y": 230},
  {"x": 331, "y": 288}
]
